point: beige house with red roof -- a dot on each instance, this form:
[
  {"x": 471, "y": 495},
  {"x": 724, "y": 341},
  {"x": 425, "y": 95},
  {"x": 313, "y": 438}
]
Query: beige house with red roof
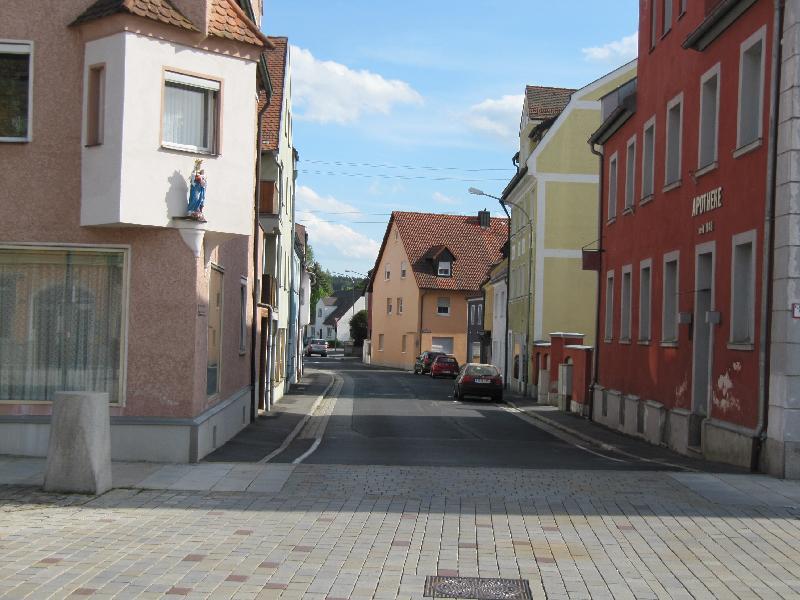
[
  {"x": 428, "y": 265},
  {"x": 107, "y": 282}
]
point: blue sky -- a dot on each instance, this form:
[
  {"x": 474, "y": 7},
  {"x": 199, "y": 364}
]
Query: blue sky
[{"x": 437, "y": 85}]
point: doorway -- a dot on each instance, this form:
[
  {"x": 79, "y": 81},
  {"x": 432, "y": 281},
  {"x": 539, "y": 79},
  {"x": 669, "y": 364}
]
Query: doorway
[{"x": 703, "y": 335}]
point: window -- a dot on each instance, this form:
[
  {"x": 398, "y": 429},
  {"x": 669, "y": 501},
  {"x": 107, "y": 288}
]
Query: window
[
  {"x": 403, "y": 270},
  {"x": 709, "y": 118},
  {"x": 380, "y": 342},
  {"x": 669, "y": 323},
  {"x": 319, "y": 313},
  {"x": 625, "y": 306},
  {"x": 214, "y": 357},
  {"x": 95, "y": 105},
  {"x": 388, "y": 306},
  {"x": 190, "y": 112},
  {"x": 612, "y": 187},
  {"x": 442, "y": 344},
  {"x": 743, "y": 271},
  {"x": 648, "y": 153},
  {"x": 683, "y": 7},
  {"x": 609, "y": 316},
  {"x": 387, "y": 272},
  {"x": 16, "y": 79},
  {"x": 243, "y": 320},
  {"x": 444, "y": 268},
  {"x": 645, "y": 300},
  {"x": 630, "y": 172},
  {"x": 480, "y": 314},
  {"x": 443, "y": 306},
  {"x": 403, "y": 344},
  {"x": 399, "y": 306},
  {"x": 653, "y": 26},
  {"x": 674, "y": 140},
  {"x": 667, "y": 15},
  {"x": 472, "y": 314},
  {"x": 62, "y": 315},
  {"x": 330, "y": 333},
  {"x": 751, "y": 89}
]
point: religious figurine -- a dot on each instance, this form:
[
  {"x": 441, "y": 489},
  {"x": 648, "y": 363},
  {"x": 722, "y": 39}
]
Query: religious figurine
[{"x": 197, "y": 192}]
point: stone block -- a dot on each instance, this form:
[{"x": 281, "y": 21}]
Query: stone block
[
  {"x": 654, "y": 420},
  {"x": 79, "y": 451},
  {"x": 678, "y": 429},
  {"x": 631, "y": 415},
  {"x": 787, "y": 230},
  {"x": 615, "y": 407},
  {"x": 787, "y": 199},
  {"x": 726, "y": 443}
]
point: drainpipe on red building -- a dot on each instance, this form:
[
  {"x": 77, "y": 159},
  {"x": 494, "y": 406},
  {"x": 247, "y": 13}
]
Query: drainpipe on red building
[
  {"x": 765, "y": 336},
  {"x": 596, "y": 357}
]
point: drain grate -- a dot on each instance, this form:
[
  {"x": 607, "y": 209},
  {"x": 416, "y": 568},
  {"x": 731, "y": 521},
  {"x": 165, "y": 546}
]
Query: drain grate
[{"x": 477, "y": 588}]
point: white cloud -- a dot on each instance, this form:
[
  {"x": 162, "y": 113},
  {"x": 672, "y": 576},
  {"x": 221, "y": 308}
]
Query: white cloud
[
  {"x": 331, "y": 238},
  {"x": 625, "y": 49},
  {"x": 444, "y": 199},
  {"x": 498, "y": 117},
  {"x": 329, "y": 92}
]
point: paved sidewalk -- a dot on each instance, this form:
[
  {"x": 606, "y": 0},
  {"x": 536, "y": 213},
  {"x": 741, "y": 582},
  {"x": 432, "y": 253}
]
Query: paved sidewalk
[{"x": 607, "y": 439}]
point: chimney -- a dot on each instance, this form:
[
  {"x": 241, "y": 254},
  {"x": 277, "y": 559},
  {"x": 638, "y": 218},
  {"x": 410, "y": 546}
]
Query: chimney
[{"x": 484, "y": 218}]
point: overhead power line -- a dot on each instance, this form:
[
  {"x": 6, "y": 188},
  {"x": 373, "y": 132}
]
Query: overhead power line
[
  {"x": 404, "y": 177},
  {"x": 339, "y": 163}
]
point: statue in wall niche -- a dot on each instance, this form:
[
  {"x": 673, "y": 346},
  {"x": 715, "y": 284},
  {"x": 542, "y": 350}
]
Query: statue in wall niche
[{"x": 197, "y": 192}]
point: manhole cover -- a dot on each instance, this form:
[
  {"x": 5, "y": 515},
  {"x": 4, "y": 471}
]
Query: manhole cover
[{"x": 477, "y": 588}]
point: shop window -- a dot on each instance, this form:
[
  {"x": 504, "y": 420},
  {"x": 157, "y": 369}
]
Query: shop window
[
  {"x": 743, "y": 289},
  {"x": 16, "y": 78},
  {"x": 630, "y": 172},
  {"x": 674, "y": 140},
  {"x": 190, "y": 113},
  {"x": 645, "y": 297},
  {"x": 751, "y": 89},
  {"x": 625, "y": 306},
  {"x": 648, "y": 153},
  {"x": 709, "y": 118},
  {"x": 609, "y": 316},
  {"x": 443, "y": 306},
  {"x": 669, "y": 321},
  {"x": 612, "y": 187}
]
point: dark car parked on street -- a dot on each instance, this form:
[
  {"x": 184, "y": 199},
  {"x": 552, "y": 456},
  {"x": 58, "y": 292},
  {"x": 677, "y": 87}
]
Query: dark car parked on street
[
  {"x": 424, "y": 362},
  {"x": 444, "y": 366},
  {"x": 479, "y": 380}
]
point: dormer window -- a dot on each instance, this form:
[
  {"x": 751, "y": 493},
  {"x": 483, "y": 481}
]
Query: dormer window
[{"x": 444, "y": 268}]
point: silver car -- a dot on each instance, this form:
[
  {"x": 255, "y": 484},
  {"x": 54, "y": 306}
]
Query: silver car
[{"x": 317, "y": 346}]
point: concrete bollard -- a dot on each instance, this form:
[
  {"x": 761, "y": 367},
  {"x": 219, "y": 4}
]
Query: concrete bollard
[{"x": 79, "y": 453}]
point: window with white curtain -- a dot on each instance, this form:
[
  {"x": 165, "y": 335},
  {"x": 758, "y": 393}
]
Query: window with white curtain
[
  {"x": 61, "y": 322},
  {"x": 190, "y": 112}
]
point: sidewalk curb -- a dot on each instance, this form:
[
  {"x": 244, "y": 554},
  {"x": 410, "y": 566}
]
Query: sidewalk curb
[
  {"x": 594, "y": 441},
  {"x": 299, "y": 427}
]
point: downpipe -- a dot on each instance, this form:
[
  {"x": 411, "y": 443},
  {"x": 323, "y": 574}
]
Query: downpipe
[
  {"x": 508, "y": 268},
  {"x": 596, "y": 357}
]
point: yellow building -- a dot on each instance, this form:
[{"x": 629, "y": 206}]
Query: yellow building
[
  {"x": 554, "y": 199},
  {"x": 428, "y": 265}
]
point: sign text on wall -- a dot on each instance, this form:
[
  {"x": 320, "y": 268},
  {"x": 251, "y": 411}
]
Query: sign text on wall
[{"x": 707, "y": 202}]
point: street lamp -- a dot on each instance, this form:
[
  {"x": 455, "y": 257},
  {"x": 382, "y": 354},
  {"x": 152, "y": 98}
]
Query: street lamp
[{"x": 503, "y": 203}]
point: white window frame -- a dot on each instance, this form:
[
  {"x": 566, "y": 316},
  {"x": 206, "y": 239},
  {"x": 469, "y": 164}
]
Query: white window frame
[
  {"x": 758, "y": 36},
  {"x": 387, "y": 272},
  {"x": 444, "y": 271},
  {"x": 439, "y": 305},
  {"x": 669, "y": 257},
  {"x": 650, "y": 124},
  {"x": 676, "y": 101},
  {"x": 630, "y": 174},
  {"x": 714, "y": 71},
  {"x": 647, "y": 323},
  {"x": 209, "y": 85},
  {"x": 609, "y": 316},
  {"x": 403, "y": 267},
  {"x": 740, "y": 239},
  {"x": 626, "y": 270},
  {"x": 666, "y": 6},
  {"x": 389, "y": 305},
  {"x": 8, "y": 46},
  {"x": 399, "y": 305},
  {"x": 613, "y": 192}
]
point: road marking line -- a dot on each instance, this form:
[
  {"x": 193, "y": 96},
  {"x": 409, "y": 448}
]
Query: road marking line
[{"x": 327, "y": 411}]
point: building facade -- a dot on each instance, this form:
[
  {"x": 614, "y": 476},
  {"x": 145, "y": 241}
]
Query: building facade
[
  {"x": 109, "y": 280},
  {"x": 685, "y": 169},
  {"x": 495, "y": 292},
  {"x": 475, "y": 350},
  {"x": 428, "y": 265}
]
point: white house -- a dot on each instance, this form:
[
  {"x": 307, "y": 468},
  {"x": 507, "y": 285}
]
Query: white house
[{"x": 333, "y": 315}]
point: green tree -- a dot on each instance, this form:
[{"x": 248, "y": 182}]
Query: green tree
[
  {"x": 358, "y": 327},
  {"x": 321, "y": 285}
]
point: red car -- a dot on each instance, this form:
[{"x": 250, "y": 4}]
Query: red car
[{"x": 444, "y": 365}]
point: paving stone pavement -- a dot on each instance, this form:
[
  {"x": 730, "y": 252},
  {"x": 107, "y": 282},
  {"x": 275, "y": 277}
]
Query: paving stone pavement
[{"x": 330, "y": 532}]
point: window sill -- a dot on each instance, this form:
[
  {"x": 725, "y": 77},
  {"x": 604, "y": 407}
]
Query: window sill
[
  {"x": 742, "y": 346},
  {"x": 242, "y": 352},
  {"x": 628, "y": 210},
  {"x": 647, "y": 199},
  {"x": 188, "y": 149},
  {"x": 669, "y": 344},
  {"x": 609, "y": 340},
  {"x": 747, "y": 148},
  {"x": 16, "y": 140},
  {"x": 643, "y": 342},
  {"x": 611, "y": 221},
  {"x": 671, "y": 186},
  {"x": 626, "y": 341},
  {"x": 442, "y": 314},
  {"x": 93, "y": 145},
  {"x": 706, "y": 169}
]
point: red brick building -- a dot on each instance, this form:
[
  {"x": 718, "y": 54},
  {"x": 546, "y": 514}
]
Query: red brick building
[{"x": 686, "y": 180}]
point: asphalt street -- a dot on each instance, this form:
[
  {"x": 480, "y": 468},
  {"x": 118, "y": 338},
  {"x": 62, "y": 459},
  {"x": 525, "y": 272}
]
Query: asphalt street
[{"x": 395, "y": 418}]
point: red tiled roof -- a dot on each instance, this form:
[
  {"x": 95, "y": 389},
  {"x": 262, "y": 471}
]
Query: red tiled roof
[
  {"x": 276, "y": 65},
  {"x": 227, "y": 20},
  {"x": 475, "y": 249},
  {"x": 546, "y": 102},
  {"x": 157, "y": 10}
]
